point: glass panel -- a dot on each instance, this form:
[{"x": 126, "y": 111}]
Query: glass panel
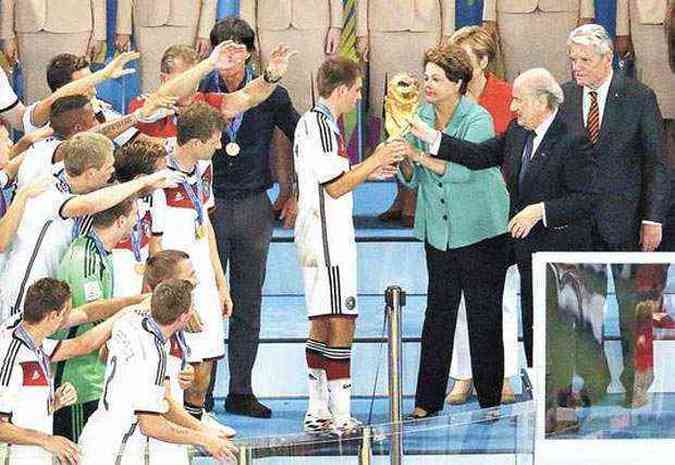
[{"x": 607, "y": 347}]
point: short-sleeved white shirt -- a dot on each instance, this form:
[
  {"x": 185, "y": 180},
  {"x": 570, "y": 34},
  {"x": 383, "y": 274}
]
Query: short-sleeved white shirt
[
  {"x": 38, "y": 161},
  {"x": 324, "y": 228},
  {"x": 41, "y": 240},
  {"x": 8, "y": 98},
  {"x": 128, "y": 275},
  {"x": 134, "y": 384},
  {"x": 25, "y": 392}
]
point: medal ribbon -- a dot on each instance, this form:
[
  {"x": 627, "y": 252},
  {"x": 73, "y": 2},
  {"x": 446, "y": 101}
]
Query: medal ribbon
[
  {"x": 184, "y": 348},
  {"x": 43, "y": 360},
  {"x": 102, "y": 252},
  {"x": 194, "y": 194},
  {"x": 233, "y": 128},
  {"x": 136, "y": 236},
  {"x": 324, "y": 110},
  {"x": 153, "y": 327}
]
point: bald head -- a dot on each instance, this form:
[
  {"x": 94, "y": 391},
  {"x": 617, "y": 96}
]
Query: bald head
[{"x": 539, "y": 82}]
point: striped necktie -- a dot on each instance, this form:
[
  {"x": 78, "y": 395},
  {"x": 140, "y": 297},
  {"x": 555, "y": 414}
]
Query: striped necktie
[{"x": 593, "y": 123}]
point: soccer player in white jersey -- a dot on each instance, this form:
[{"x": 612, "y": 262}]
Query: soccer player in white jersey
[
  {"x": 129, "y": 256},
  {"x": 182, "y": 213},
  {"x": 68, "y": 116},
  {"x": 11, "y": 108},
  {"x": 51, "y": 220},
  {"x": 161, "y": 267},
  {"x": 324, "y": 236},
  {"x": 27, "y": 396},
  {"x": 137, "y": 350}
]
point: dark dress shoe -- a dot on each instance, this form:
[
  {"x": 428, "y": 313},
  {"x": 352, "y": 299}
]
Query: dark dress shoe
[
  {"x": 389, "y": 216},
  {"x": 420, "y": 416},
  {"x": 246, "y": 405}
]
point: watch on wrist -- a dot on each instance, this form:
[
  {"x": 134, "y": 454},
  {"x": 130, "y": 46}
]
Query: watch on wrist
[{"x": 270, "y": 78}]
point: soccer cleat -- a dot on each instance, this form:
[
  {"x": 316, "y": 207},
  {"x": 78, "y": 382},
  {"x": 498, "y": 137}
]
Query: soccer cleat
[
  {"x": 347, "y": 426},
  {"x": 315, "y": 424}
]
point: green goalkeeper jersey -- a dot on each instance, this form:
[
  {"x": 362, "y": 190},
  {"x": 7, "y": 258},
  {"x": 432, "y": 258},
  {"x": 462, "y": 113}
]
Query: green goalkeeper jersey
[{"x": 88, "y": 269}]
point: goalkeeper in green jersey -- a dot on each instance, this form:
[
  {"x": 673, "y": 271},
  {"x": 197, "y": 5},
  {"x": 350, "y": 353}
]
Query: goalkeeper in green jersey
[{"x": 87, "y": 267}]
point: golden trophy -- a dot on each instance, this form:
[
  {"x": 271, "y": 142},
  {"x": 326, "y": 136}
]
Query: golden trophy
[{"x": 400, "y": 104}]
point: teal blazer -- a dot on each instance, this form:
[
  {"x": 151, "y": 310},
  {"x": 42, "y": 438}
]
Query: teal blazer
[{"x": 461, "y": 207}]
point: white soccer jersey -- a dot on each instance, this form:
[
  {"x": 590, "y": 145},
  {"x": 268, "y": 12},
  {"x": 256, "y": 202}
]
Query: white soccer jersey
[
  {"x": 25, "y": 391},
  {"x": 134, "y": 383},
  {"x": 38, "y": 161},
  {"x": 130, "y": 255},
  {"x": 324, "y": 228},
  {"x": 175, "y": 213},
  {"x": 8, "y": 98},
  {"x": 41, "y": 240},
  {"x": 160, "y": 452}
]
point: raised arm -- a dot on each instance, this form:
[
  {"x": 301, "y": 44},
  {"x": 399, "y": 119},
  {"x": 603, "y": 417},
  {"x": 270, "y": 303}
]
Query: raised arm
[
  {"x": 105, "y": 198},
  {"x": 101, "y": 309},
  {"x": 115, "y": 69}
]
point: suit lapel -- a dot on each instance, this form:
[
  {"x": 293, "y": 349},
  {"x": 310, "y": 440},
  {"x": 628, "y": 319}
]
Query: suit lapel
[
  {"x": 541, "y": 155},
  {"x": 612, "y": 109}
]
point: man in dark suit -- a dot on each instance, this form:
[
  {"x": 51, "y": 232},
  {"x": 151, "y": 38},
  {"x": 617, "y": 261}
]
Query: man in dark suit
[
  {"x": 623, "y": 122},
  {"x": 551, "y": 187},
  {"x": 551, "y": 181}
]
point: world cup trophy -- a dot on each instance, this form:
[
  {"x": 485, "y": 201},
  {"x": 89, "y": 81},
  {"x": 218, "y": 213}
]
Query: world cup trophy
[{"x": 400, "y": 104}]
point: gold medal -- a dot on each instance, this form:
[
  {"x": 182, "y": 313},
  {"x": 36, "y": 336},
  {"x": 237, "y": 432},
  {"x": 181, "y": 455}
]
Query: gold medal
[
  {"x": 200, "y": 231},
  {"x": 139, "y": 268},
  {"x": 232, "y": 149}
]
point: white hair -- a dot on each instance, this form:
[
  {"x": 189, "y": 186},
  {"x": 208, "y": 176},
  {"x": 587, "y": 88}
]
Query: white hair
[
  {"x": 594, "y": 35},
  {"x": 540, "y": 82}
]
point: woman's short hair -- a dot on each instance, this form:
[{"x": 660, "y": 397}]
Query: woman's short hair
[
  {"x": 480, "y": 41},
  {"x": 454, "y": 62}
]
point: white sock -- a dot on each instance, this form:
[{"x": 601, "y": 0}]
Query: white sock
[
  {"x": 339, "y": 398},
  {"x": 318, "y": 392}
]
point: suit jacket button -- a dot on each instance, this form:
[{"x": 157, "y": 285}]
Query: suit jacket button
[
  {"x": 445, "y": 217},
  {"x": 440, "y": 184},
  {"x": 442, "y": 200}
]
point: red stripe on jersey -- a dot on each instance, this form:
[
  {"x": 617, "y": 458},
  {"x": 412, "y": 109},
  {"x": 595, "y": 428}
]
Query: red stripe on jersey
[
  {"x": 33, "y": 375},
  {"x": 166, "y": 127}
]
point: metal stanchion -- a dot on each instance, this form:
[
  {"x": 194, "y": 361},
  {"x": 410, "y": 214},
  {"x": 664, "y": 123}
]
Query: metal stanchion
[
  {"x": 366, "y": 449},
  {"x": 245, "y": 456},
  {"x": 394, "y": 298}
]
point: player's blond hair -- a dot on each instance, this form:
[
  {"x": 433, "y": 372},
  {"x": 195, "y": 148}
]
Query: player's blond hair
[{"x": 84, "y": 151}]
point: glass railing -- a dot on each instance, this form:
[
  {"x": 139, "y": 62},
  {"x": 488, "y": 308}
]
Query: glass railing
[{"x": 502, "y": 435}]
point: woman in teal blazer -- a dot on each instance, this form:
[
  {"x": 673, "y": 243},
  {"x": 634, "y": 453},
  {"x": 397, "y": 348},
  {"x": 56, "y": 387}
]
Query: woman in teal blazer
[{"x": 461, "y": 216}]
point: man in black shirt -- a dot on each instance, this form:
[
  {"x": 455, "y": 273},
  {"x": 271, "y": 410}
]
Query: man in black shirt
[{"x": 244, "y": 216}]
